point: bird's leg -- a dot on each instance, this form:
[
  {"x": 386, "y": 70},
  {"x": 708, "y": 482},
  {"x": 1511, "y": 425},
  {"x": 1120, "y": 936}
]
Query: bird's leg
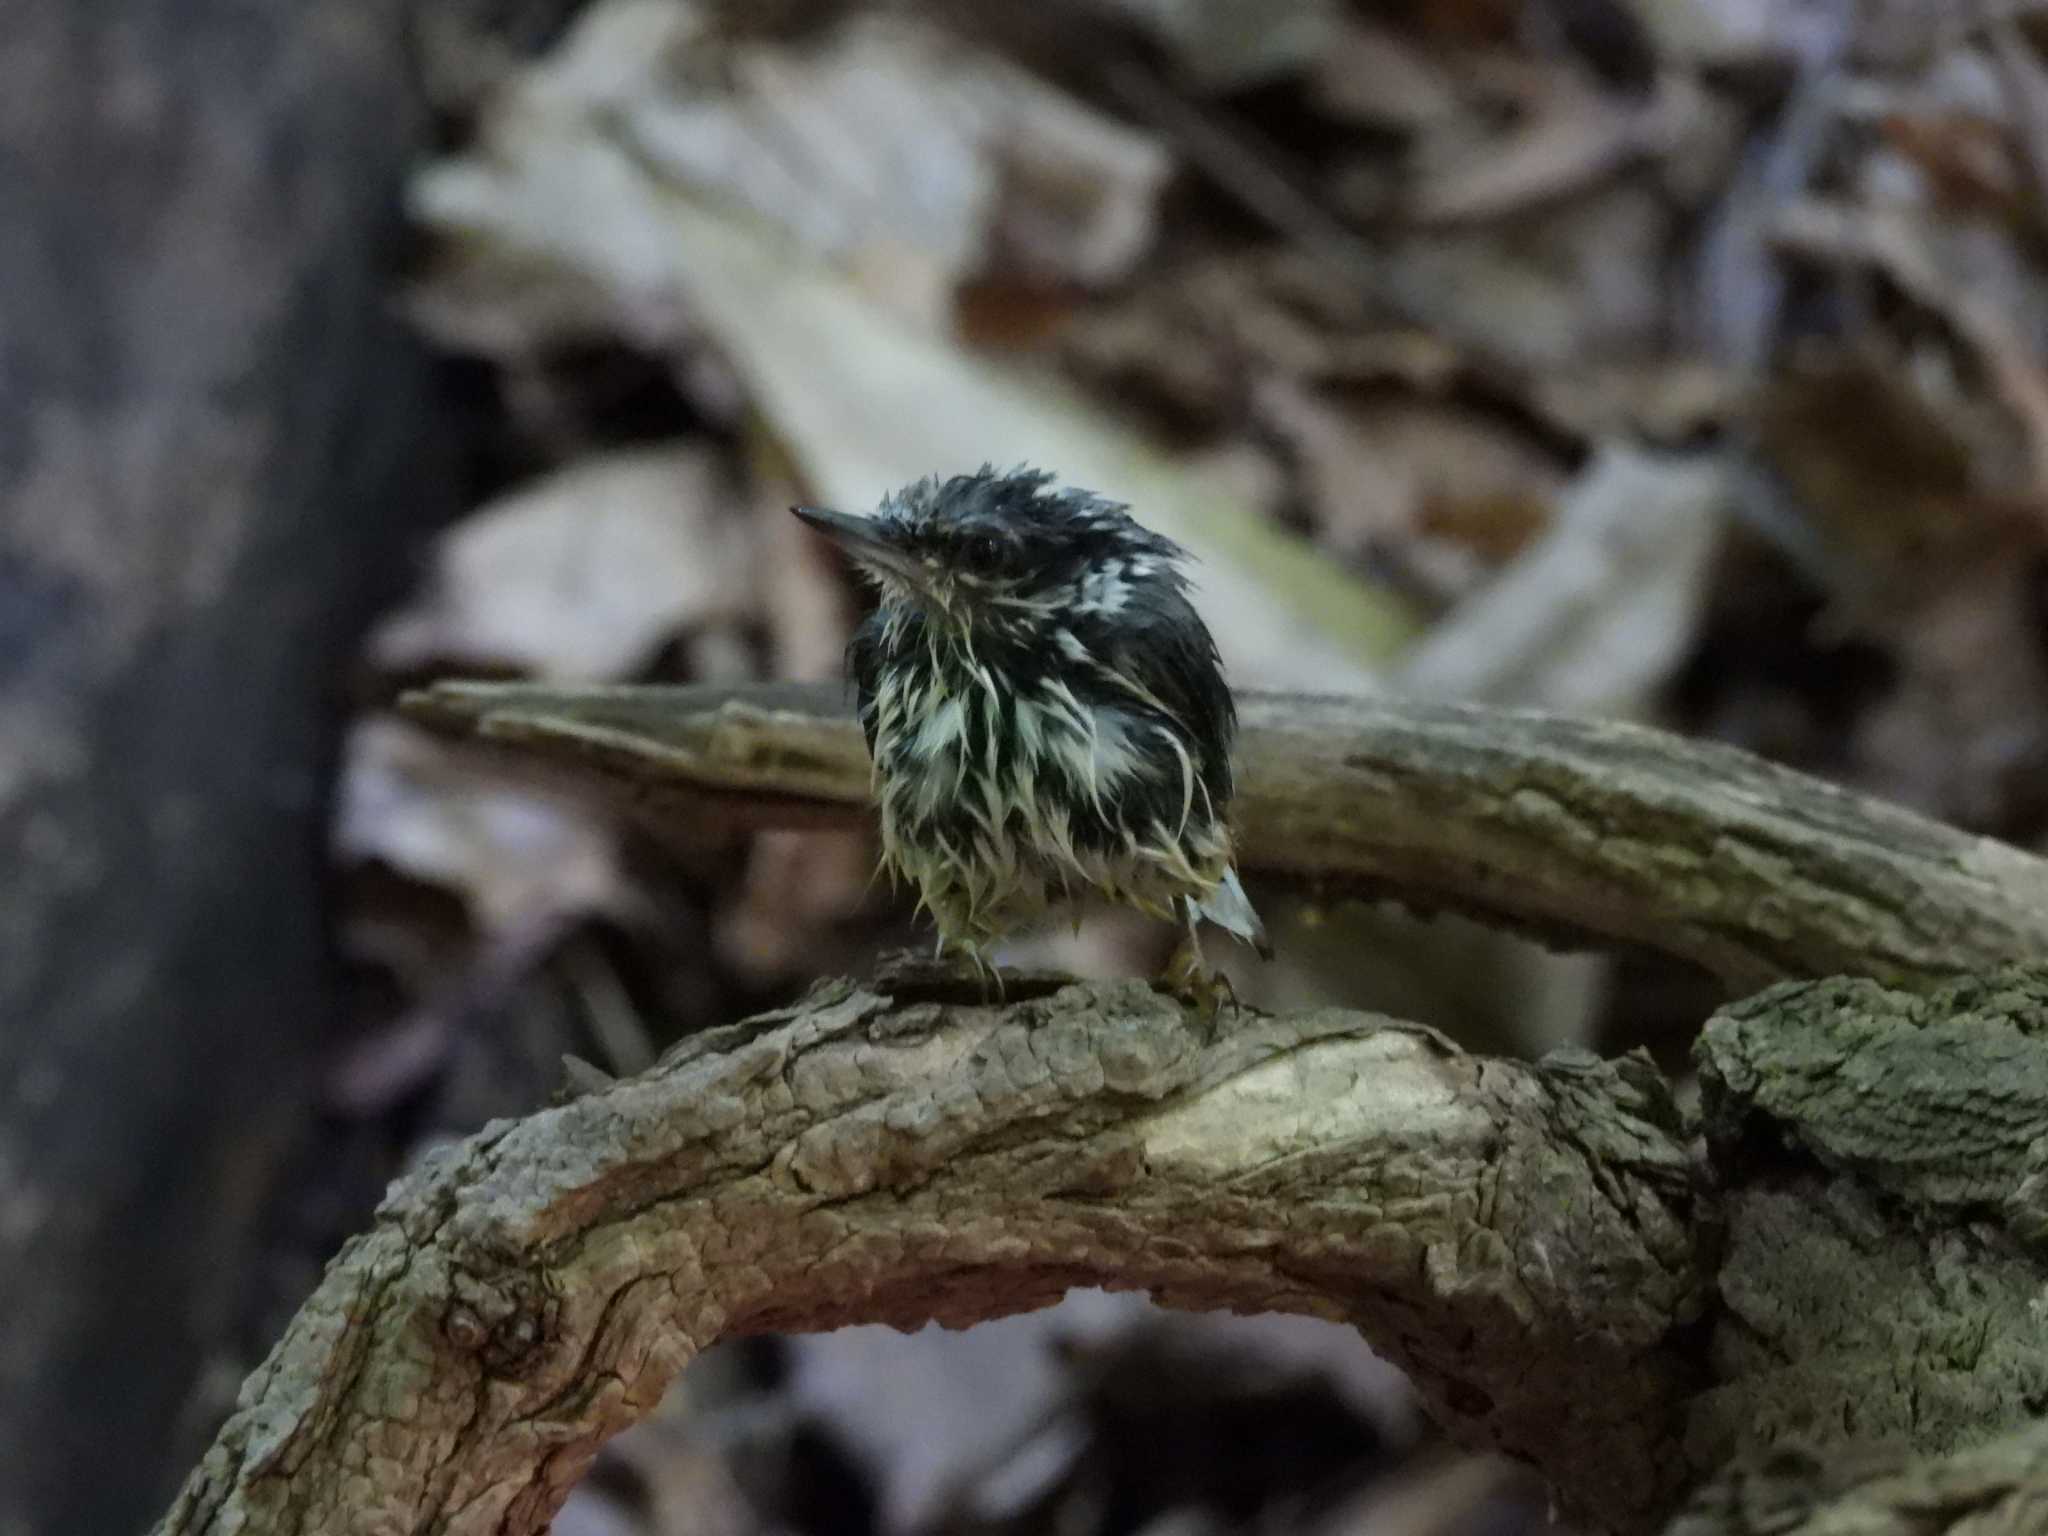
[
  {"x": 970, "y": 953},
  {"x": 987, "y": 974},
  {"x": 1185, "y": 969},
  {"x": 1187, "y": 976}
]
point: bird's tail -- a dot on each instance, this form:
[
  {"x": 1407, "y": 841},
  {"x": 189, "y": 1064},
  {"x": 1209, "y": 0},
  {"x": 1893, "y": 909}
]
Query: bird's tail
[{"x": 1231, "y": 910}]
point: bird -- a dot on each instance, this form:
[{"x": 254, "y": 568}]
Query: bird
[{"x": 1045, "y": 711}]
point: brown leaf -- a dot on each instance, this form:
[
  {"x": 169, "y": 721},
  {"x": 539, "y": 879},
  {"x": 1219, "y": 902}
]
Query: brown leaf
[
  {"x": 1232, "y": 44},
  {"x": 1967, "y": 159},
  {"x": 1196, "y": 337},
  {"x": 1560, "y": 287},
  {"x": 798, "y": 886},
  {"x": 1723, "y": 33},
  {"x": 583, "y": 575},
  {"x": 1571, "y": 137},
  {"x": 1594, "y": 616},
  {"x": 1885, "y": 478},
  {"x": 518, "y": 857},
  {"x": 1371, "y": 73},
  {"x": 885, "y": 144},
  {"x": 1988, "y": 303},
  {"x": 1436, "y": 487},
  {"x": 1964, "y": 733}
]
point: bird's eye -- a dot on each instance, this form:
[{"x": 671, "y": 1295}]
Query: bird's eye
[{"x": 987, "y": 549}]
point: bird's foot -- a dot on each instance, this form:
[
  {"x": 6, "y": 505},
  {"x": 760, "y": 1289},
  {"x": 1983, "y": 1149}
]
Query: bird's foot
[{"x": 1187, "y": 977}]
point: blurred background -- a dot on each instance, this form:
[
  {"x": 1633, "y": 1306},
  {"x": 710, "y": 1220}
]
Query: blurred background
[{"x": 1672, "y": 359}]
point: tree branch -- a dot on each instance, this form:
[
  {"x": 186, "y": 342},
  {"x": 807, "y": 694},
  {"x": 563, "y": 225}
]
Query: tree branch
[
  {"x": 1881, "y": 1163},
  {"x": 1520, "y": 1238},
  {"x": 1576, "y": 830},
  {"x": 1852, "y": 1252},
  {"x": 2000, "y": 1486}
]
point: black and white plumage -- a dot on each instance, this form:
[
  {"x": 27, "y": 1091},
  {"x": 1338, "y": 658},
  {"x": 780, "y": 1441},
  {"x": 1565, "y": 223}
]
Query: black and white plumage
[{"x": 1046, "y": 711}]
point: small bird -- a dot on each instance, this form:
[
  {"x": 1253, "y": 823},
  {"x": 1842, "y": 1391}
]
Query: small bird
[{"x": 1046, "y": 711}]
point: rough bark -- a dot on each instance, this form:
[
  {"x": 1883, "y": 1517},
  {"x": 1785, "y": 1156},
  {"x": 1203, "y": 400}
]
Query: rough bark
[
  {"x": 1848, "y": 1259},
  {"x": 1886, "y": 1159},
  {"x": 1841, "y": 1276},
  {"x": 1520, "y": 1238},
  {"x": 211, "y": 437},
  {"x": 1996, "y": 1489},
  {"x": 1575, "y": 829}
]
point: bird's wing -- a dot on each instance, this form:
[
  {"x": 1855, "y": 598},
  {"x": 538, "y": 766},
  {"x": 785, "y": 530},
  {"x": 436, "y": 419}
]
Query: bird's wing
[{"x": 1170, "y": 654}]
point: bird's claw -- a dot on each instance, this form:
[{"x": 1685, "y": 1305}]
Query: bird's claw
[{"x": 1187, "y": 977}]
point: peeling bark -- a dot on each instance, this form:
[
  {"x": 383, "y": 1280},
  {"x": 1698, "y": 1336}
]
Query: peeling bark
[{"x": 1576, "y": 830}]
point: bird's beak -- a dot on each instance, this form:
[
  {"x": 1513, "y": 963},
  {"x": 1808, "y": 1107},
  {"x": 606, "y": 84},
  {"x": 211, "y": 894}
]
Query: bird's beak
[{"x": 864, "y": 541}]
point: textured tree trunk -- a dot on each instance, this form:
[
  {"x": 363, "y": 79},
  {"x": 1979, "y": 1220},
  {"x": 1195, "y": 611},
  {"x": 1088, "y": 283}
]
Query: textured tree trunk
[{"x": 212, "y": 442}]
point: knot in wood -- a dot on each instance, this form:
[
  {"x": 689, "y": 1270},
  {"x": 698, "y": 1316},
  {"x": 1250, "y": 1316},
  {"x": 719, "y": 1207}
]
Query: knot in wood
[
  {"x": 462, "y": 1327},
  {"x": 515, "y": 1345},
  {"x": 504, "y": 1324}
]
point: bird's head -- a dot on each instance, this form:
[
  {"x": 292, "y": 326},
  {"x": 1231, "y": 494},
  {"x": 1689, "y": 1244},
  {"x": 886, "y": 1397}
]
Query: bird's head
[{"x": 986, "y": 547}]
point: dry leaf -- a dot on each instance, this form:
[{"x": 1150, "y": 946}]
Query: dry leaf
[
  {"x": 866, "y": 402},
  {"x": 1193, "y": 338},
  {"x": 1370, "y": 73},
  {"x": 1990, "y": 300},
  {"x": 519, "y": 858},
  {"x": 1441, "y": 491},
  {"x": 1234, "y": 44},
  {"x": 1559, "y": 288},
  {"x": 509, "y": 312},
  {"x": 1876, "y": 468},
  {"x": 583, "y": 575},
  {"x": 1723, "y": 33},
  {"x": 1594, "y": 616},
  {"x": 1570, "y": 138},
  {"x": 1963, "y": 735},
  {"x": 1966, "y": 159},
  {"x": 1665, "y": 399},
  {"x": 797, "y": 887},
  {"x": 885, "y": 145},
  {"x": 2023, "y": 83}
]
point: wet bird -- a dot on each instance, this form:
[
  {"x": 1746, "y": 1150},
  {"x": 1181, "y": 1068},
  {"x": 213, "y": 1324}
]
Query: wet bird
[{"x": 1046, "y": 712}]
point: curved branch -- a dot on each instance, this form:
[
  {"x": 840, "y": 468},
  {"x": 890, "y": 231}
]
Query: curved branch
[
  {"x": 1520, "y": 1238},
  {"x": 1574, "y": 829}
]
